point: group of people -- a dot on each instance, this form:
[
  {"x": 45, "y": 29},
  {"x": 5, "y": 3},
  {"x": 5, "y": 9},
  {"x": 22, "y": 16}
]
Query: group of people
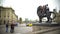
[{"x": 11, "y": 27}]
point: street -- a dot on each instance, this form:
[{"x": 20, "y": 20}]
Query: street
[{"x": 21, "y": 29}]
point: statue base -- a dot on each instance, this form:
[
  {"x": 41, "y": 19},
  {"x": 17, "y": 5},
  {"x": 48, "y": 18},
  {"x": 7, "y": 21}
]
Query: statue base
[{"x": 46, "y": 24}]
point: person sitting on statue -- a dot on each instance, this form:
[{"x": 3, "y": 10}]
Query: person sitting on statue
[{"x": 46, "y": 8}]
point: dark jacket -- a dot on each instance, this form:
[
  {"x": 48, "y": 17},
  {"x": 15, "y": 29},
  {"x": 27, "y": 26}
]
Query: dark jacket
[
  {"x": 7, "y": 25},
  {"x": 12, "y": 26}
]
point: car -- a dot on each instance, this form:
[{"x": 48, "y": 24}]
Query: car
[{"x": 30, "y": 24}]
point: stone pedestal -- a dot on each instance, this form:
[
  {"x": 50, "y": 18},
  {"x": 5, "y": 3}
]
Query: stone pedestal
[
  {"x": 42, "y": 26},
  {"x": 37, "y": 28}
]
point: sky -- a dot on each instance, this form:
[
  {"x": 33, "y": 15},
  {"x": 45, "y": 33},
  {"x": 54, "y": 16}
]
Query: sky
[
  {"x": 57, "y": 3},
  {"x": 28, "y": 8}
]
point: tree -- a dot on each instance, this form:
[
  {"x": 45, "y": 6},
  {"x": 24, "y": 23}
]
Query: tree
[
  {"x": 59, "y": 11},
  {"x": 55, "y": 10},
  {"x": 20, "y": 20}
]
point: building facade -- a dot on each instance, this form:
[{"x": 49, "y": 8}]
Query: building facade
[
  {"x": 57, "y": 19},
  {"x": 7, "y": 15}
]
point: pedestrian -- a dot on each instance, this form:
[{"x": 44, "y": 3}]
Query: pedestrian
[
  {"x": 7, "y": 27},
  {"x": 12, "y": 27}
]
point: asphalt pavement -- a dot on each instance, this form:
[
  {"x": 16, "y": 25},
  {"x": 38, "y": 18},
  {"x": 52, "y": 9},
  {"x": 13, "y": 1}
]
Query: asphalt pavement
[{"x": 20, "y": 29}]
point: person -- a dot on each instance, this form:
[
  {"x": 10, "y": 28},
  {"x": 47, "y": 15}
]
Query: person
[
  {"x": 7, "y": 27},
  {"x": 46, "y": 8},
  {"x": 12, "y": 28}
]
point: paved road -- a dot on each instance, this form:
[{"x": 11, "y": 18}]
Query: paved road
[{"x": 21, "y": 29}]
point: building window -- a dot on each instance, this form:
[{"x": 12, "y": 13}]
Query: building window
[
  {"x": 8, "y": 21},
  {"x": 0, "y": 22},
  {"x": 4, "y": 16},
  {"x": 0, "y": 13},
  {"x": 4, "y": 22},
  {"x": 0, "y": 16},
  {"x": 8, "y": 16}
]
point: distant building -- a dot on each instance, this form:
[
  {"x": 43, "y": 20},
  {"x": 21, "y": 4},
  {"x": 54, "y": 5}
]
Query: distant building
[
  {"x": 7, "y": 15},
  {"x": 26, "y": 20},
  {"x": 57, "y": 19},
  {"x": 57, "y": 4}
]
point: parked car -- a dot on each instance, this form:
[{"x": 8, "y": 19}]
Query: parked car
[{"x": 30, "y": 24}]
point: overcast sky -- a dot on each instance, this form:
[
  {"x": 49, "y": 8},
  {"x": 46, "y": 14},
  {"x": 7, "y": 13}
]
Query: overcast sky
[{"x": 28, "y": 8}]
